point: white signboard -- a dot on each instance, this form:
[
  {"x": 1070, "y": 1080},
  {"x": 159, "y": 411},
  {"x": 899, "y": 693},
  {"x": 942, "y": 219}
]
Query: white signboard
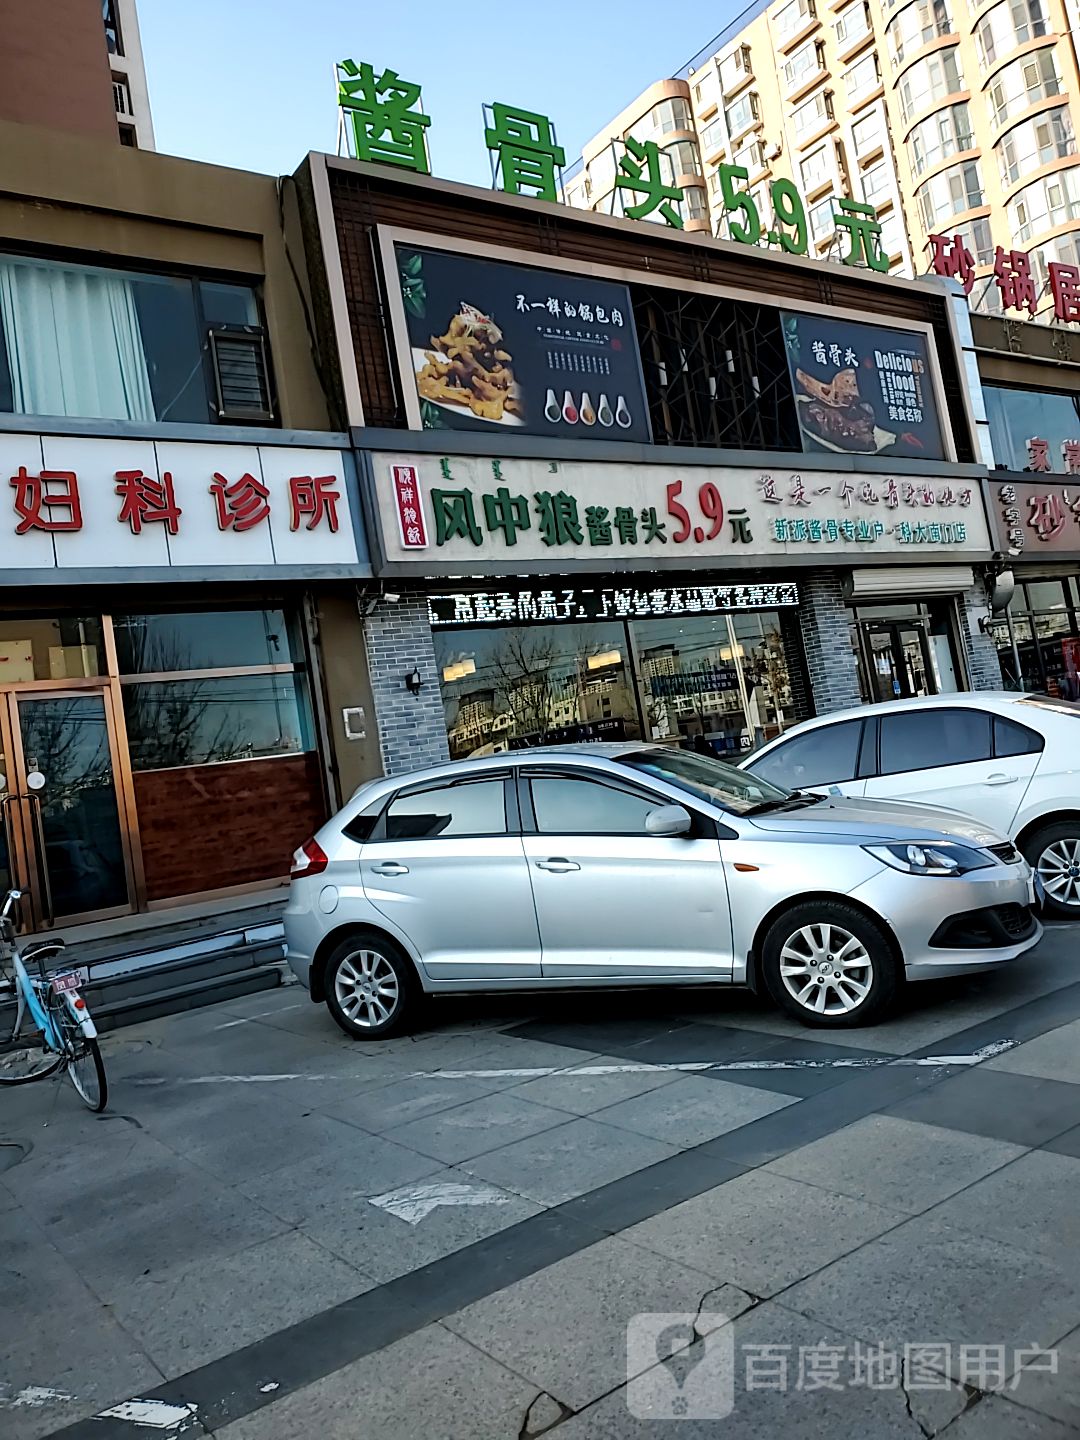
[
  {"x": 110, "y": 504},
  {"x": 540, "y": 514}
]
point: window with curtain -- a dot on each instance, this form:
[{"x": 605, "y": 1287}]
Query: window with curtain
[{"x": 92, "y": 343}]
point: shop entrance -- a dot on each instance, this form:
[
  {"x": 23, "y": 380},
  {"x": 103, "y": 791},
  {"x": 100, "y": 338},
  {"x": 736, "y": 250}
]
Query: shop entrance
[
  {"x": 896, "y": 659},
  {"x": 64, "y": 833}
]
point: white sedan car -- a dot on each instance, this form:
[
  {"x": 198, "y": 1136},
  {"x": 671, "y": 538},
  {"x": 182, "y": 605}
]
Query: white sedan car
[{"x": 1010, "y": 760}]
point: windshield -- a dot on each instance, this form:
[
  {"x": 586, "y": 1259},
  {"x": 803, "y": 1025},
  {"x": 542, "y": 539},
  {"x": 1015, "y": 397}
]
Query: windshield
[{"x": 708, "y": 779}]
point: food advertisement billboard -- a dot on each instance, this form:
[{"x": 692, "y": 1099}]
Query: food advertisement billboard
[
  {"x": 862, "y": 389},
  {"x": 494, "y": 346}
]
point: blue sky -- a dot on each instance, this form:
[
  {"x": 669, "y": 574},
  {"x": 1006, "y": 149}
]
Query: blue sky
[{"x": 249, "y": 83}]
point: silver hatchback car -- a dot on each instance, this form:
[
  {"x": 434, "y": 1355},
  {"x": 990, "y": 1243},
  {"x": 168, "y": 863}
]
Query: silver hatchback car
[{"x": 625, "y": 865}]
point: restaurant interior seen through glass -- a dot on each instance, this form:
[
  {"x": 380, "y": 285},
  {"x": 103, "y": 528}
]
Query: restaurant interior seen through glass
[
  {"x": 720, "y": 682},
  {"x": 146, "y": 756}
]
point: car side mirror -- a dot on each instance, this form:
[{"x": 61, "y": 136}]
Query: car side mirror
[{"x": 668, "y": 820}]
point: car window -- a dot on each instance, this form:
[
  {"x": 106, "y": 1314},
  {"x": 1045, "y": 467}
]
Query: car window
[
  {"x": 567, "y": 806},
  {"x": 926, "y": 739},
  {"x": 824, "y": 756},
  {"x": 448, "y": 811},
  {"x": 1013, "y": 739},
  {"x": 705, "y": 777}
]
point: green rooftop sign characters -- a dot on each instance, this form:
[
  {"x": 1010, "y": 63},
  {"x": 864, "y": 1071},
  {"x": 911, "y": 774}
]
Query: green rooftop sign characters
[
  {"x": 378, "y": 113},
  {"x": 526, "y": 152},
  {"x": 382, "y": 114}
]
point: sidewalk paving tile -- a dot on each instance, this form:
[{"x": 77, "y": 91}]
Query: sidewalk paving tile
[
  {"x": 1031, "y": 1204},
  {"x": 586, "y": 1094},
  {"x": 1053, "y": 1056},
  {"x": 996, "y": 1418},
  {"x": 902, "y": 1164},
  {"x": 693, "y": 1110},
  {"x": 477, "y": 1127},
  {"x": 1055, "y": 1394},
  {"x": 929, "y": 1282},
  {"x": 187, "y": 1317},
  {"x": 569, "y": 1160},
  {"x": 761, "y": 1231},
  {"x": 431, "y": 1383},
  {"x": 565, "y": 1327},
  {"x": 1016, "y": 1108},
  {"x": 393, "y": 1105}
]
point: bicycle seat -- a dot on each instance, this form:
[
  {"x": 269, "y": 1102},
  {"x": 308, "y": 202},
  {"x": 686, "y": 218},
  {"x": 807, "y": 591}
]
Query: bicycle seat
[{"x": 37, "y": 946}]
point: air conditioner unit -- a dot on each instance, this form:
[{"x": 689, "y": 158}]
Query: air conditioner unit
[
  {"x": 777, "y": 150},
  {"x": 241, "y": 373}
]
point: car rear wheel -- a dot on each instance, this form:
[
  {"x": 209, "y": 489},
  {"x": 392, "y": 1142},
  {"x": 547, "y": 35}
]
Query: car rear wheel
[
  {"x": 370, "y": 988},
  {"x": 827, "y": 964},
  {"x": 1053, "y": 852}
]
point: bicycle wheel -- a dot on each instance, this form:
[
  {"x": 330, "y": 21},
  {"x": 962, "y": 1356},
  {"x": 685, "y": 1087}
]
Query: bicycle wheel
[
  {"x": 82, "y": 1057},
  {"x": 22, "y": 1065},
  {"x": 86, "y": 1071}
]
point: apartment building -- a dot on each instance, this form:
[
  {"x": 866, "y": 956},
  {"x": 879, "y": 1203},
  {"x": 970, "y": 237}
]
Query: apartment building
[
  {"x": 94, "y": 47},
  {"x": 947, "y": 116}
]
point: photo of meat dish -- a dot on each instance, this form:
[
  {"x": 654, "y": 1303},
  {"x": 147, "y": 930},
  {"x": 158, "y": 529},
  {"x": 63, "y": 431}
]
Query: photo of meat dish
[
  {"x": 468, "y": 367},
  {"x": 833, "y": 412}
]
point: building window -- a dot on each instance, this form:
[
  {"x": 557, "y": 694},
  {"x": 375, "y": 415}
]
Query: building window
[
  {"x": 929, "y": 80},
  {"x": 1022, "y": 83},
  {"x": 113, "y": 38},
  {"x": 975, "y": 234},
  {"x": 751, "y": 157},
  {"x": 714, "y": 182},
  {"x": 816, "y": 170},
  {"x": 707, "y": 90},
  {"x": 1034, "y": 143},
  {"x": 792, "y": 17},
  {"x": 695, "y": 205},
  {"x": 862, "y": 78},
  {"x": 934, "y": 139},
  {"x": 113, "y": 344},
  {"x": 813, "y": 114},
  {"x": 714, "y": 137},
  {"x": 121, "y": 96},
  {"x": 735, "y": 68},
  {"x": 950, "y": 193},
  {"x": 822, "y": 220},
  {"x": 1007, "y": 25},
  {"x": 741, "y": 115},
  {"x": 1045, "y": 204},
  {"x": 916, "y": 26},
  {"x": 851, "y": 25},
  {"x": 806, "y": 61},
  {"x": 868, "y": 134},
  {"x": 662, "y": 119},
  {"x": 684, "y": 157},
  {"x": 876, "y": 184}
]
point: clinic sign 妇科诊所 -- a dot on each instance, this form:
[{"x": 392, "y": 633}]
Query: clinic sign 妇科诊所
[
  {"x": 527, "y": 515},
  {"x": 492, "y": 346},
  {"x": 862, "y": 389}
]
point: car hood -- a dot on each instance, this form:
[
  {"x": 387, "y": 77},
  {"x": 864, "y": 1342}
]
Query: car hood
[{"x": 880, "y": 820}]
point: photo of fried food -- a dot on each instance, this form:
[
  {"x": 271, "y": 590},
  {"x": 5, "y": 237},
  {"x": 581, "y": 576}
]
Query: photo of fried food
[
  {"x": 468, "y": 367},
  {"x": 834, "y": 412}
]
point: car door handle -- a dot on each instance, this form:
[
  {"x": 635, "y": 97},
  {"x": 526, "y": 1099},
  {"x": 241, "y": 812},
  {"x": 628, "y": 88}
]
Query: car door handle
[
  {"x": 1000, "y": 779},
  {"x": 558, "y": 864},
  {"x": 390, "y": 867}
]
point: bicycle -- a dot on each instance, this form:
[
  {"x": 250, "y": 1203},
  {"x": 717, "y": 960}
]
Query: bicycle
[{"x": 68, "y": 1035}]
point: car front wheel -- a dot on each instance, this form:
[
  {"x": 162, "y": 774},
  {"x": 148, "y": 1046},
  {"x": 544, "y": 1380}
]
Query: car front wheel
[
  {"x": 370, "y": 988},
  {"x": 1053, "y": 852},
  {"x": 827, "y": 964}
]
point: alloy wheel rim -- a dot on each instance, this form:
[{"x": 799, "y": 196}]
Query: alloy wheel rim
[
  {"x": 826, "y": 969},
  {"x": 367, "y": 989},
  {"x": 1059, "y": 870}
]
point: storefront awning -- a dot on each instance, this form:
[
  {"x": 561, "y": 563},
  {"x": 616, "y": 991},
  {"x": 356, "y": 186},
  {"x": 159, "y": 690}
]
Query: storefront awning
[{"x": 894, "y": 582}]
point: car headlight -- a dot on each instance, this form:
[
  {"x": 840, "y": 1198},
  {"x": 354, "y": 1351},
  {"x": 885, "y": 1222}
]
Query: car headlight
[{"x": 941, "y": 859}]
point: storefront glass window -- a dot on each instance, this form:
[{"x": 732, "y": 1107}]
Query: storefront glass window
[
  {"x": 204, "y": 722},
  {"x": 68, "y": 648},
  {"x": 1016, "y": 415},
  {"x": 717, "y": 682},
  {"x": 203, "y": 640}
]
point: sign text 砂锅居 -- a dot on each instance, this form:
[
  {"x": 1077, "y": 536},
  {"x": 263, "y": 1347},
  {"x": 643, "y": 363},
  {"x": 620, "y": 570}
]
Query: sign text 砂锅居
[
  {"x": 110, "y": 504},
  {"x": 1036, "y": 517},
  {"x": 530, "y": 515}
]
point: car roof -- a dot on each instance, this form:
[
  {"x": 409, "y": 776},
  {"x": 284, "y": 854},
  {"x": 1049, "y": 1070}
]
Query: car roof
[
  {"x": 473, "y": 765},
  {"x": 970, "y": 699}
]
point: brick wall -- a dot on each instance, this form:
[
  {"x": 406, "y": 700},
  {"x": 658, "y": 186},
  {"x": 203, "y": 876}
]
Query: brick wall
[
  {"x": 412, "y": 728},
  {"x": 982, "y": 656},
  {"x": 826, "y": 632}
]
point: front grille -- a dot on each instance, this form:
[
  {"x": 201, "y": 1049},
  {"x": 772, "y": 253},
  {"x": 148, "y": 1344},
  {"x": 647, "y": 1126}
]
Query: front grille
[
  {"x": 1016, "y": 920},
  {"x": 1007, "y": 853}
]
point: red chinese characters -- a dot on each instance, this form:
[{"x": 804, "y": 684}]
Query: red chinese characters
[
  {"x": 410, "y": 510},
  {"x": 146, "y": 500},
  {"x": 953, "y": 259},
  {"x": 1015, "y": 282},
  {"x": 1065, "y": 288},
  {"x": 312, "y": 496},
  {"x": 1038, "y": 454},
  {"x": 37, "y": 498},
  {"x": 241, "y": 505}
]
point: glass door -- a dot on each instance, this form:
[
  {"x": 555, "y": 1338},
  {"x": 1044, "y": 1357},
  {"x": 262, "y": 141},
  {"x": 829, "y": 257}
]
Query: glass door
[
  {"x": 896, "y": 659},
  {"x": 64, "y": 836}
]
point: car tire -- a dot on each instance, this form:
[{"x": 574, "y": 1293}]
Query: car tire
[
  {"x": 799, "y": 959},
  {"x": 371, "y": 988},
  {"x": 1051, "y": 851}
]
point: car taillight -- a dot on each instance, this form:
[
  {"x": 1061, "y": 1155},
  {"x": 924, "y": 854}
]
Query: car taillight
[{"x": 310, "y": 859}]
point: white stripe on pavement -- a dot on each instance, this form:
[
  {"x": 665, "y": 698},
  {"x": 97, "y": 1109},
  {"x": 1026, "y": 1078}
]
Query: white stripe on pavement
[
  {"x": 156, "y": 1414},
  {"x": 630, "y": 1067}
]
